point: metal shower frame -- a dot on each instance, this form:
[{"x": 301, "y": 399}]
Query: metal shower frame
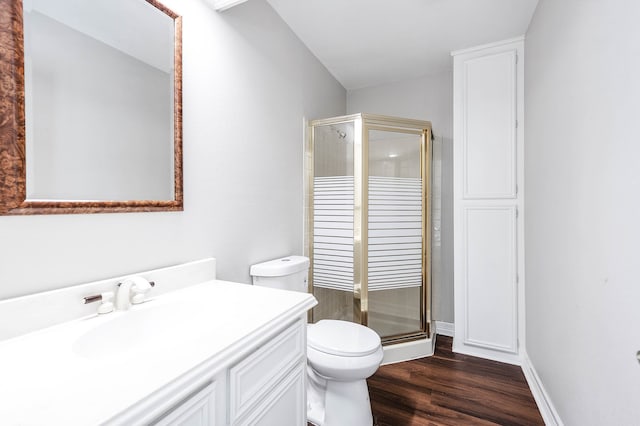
[{"x": 362, "y": 124}]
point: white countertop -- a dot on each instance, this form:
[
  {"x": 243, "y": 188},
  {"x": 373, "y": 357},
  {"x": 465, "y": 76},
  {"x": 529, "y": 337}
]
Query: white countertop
[{"x": 83, "y": 372}]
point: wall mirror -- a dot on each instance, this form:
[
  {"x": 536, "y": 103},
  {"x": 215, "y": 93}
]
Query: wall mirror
[{"x": 90, "y": 106}]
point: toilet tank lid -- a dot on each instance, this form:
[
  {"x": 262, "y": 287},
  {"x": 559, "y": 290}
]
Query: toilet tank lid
[{"x": 280, "y": 267}]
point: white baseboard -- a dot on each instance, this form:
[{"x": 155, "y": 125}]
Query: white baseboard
[
  {"x": 482, "y": 352},
  {"x": 444, "y": 328},
  {"x": 546, "y": 407},
  {"x": 547, "y": 410}
]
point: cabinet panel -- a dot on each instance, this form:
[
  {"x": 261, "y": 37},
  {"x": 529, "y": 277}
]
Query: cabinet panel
[
  {"x": 489, "y": 123},
  {"x": 197, "y": 410},
  {"x": 253, "y": 376},
  {"x": 490, "y": 277},
  {"x": 284, "y": 406}
]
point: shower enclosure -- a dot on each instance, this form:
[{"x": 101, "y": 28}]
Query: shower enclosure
[{"x": 368, "y": 223}]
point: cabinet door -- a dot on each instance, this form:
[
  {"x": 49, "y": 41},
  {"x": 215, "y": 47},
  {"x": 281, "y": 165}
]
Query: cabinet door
[
  {"x": 284, "y": 406},
  {"x": 197, "y": 410},
  {"x": 490, "y": 279},
  {"x": 254, "y": 376},
  {"x": 489, "y": 135}
]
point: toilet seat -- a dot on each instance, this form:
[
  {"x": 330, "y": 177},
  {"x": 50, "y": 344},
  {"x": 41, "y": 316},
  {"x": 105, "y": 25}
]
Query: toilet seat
[{"x": 342, "y": 338}]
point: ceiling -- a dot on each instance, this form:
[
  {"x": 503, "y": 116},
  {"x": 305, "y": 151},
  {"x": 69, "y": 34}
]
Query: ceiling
[{"x": 372, "y": 42}]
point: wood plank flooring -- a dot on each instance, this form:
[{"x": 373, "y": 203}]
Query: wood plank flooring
[{"x": 451, "y": 389}]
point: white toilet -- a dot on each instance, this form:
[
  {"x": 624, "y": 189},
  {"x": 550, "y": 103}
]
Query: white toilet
[{"x": 341, "y": 355}]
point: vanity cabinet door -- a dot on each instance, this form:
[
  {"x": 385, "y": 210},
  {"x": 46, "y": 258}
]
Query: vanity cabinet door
[
  {"x": 197, "y": 410},
  {"x": 254, "y": 378},
  {"x": 284, "y": 406}
]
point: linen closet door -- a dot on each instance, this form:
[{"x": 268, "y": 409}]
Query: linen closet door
[{"x": 487, "y": 200}]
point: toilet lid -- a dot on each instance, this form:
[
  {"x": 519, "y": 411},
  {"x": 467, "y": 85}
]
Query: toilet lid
[{"x": 342, "y": 338}]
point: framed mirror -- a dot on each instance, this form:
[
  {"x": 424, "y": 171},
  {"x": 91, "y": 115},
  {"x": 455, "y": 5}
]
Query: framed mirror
[{"x": 90, "y": 107}]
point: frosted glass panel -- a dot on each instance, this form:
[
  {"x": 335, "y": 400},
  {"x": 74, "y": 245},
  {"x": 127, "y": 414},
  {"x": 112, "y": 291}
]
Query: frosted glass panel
[
  {"x": 395, "y": 232},
  {"x": 333, "y": 220}
]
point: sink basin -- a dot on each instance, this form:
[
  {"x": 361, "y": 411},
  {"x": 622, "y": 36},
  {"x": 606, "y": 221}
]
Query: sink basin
[{"x": 142, "y": 329}]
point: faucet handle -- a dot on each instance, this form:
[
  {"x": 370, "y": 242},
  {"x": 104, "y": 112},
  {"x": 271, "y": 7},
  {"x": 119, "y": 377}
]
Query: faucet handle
[
  {"x": 139, "y": 289},
  {"x": 106, "y": 298},
  {"x": 131, "y": 291},
  {"x": 107, "y": 305}
]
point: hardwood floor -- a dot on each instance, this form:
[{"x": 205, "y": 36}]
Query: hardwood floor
[{"x": 451, "y": 389}]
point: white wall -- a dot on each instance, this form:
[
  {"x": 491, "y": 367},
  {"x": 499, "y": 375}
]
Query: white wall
[
  {"x": 582, "y": 207},
  {"x": 247, "y": 83},
  {"x": 425, "y": 98}
]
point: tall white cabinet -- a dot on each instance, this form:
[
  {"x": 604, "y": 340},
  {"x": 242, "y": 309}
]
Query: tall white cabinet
[{"x": 488, "y": 200}]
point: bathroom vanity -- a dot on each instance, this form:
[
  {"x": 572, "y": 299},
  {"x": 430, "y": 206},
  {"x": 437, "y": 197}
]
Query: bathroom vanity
[{"x": 199, "y": 351}]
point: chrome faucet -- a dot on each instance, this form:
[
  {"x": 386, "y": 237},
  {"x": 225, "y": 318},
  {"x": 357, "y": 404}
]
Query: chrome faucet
[{"x": 130, "y": 291}]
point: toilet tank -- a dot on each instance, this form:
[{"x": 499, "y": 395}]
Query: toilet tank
[{"x": 287, "y": 273}]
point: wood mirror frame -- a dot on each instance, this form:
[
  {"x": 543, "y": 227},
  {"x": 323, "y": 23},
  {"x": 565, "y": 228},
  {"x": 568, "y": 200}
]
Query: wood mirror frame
[{"x": 13, "y": 199}]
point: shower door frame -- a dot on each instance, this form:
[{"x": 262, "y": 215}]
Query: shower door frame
[{"x": 363, "y": 123}]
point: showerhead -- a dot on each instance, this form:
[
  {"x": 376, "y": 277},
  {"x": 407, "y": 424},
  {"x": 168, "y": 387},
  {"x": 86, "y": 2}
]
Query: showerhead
[{"x": 341, "y": 133}]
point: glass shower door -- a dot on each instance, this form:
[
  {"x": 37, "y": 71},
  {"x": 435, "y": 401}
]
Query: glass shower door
[{"x": 396, "y": 252}]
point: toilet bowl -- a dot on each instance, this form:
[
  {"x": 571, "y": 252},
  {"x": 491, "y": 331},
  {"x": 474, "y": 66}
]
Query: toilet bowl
[
  {"x": 342, "y": 350},
  {"x": 341, "y": 355}
]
